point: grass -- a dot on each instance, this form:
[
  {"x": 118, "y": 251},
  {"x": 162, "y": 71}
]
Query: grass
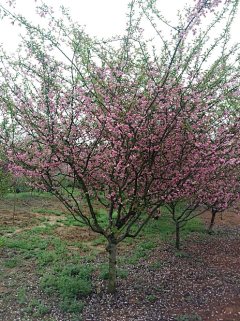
[
  {"x": 70, "y": 221},
  {"x": 71, "y": 283},
  {"x": 23, "y": 195},
  {"x": 194, "y": 225}
]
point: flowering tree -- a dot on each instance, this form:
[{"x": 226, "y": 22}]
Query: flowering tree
[
  {"x": 223, "y": 189},
  {"x": 206, "y": 172},
  {"x": 210, "y": 192},
  {"x": 114, "y": 118}
]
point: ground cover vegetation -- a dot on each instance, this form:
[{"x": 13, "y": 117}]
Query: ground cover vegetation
[
  {"x": 131, "y": 127},
  {"x": 54, "y": 268}
]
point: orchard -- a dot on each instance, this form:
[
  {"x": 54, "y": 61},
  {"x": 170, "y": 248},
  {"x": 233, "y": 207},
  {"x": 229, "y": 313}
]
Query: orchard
[{"x": 126, "y": 125}]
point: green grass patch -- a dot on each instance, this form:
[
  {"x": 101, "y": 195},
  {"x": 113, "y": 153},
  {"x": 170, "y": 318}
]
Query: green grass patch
[
  {"x": 147, "y": 245},
  {"x": 23, "y": 195},
  {"x": 194, "y": 225},
  {"x": 122, "y": 274},
  {"x": 7, "y": 229},
  {"x": 71, "y": 282},
  {"x": 69, "y": 305},
  {"x": 155, "y": 266},
  {"x": 70, "y": 220},
  {"x": 21, "y": 296},
  {"x": 13, "y": 262},
  {"x": 99, "y": 241},
  {"x": 44, "y": 230}
]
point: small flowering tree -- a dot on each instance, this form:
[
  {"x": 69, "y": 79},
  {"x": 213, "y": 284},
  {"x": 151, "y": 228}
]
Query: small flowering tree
[
  {"x": 114, "y": 118},
  {"x": 223, "y": 189}
]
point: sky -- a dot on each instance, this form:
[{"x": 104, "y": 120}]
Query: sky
[{"x": 103, "y": 18}]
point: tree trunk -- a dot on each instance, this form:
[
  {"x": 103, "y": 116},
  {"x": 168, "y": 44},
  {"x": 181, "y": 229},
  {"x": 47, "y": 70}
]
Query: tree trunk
[
  {"x": 111, "y": 248},
  {"x": 177, "y": 236},
  {"x": 212, "y": 222},
  {"x": 14, "y": 202}
]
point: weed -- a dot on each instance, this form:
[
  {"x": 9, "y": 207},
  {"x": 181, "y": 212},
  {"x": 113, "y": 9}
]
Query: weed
[
  {"x": 76, "y": 317},
  {"x": 130, "y": 240},
  {"x": 28, "y": 255},
  {"x": 7, "y": 229},
  {"x": 99, "y": 240},
  {"x": 159, "y": 289},
  {"x": 70, "y": 220},
  {"x": 182, "y": 254},
  {"x": 188, "y": 317},
  {"x": 48, "y": 282},
  {"x": 78, "y": 244},
  {"x": 155, "y": 265},
  {"x": 28, "y": 309},
  {"x": 221, "y": 232},
  {"x": 139, "y": 253},
  {"x": 41, "y": 310},
  {"x": 21, "y": 296},
  {"x": 2, "y": 242},
  {"x": 60, "y": 247},
  {"x": 44, "y": 230},
  {"x": 105, "y": 273},
  {"x": 67, "y": 305},
  {"x": 122, "y": 274},
  {"x": 70, "y": 282},
  {"x": 13, "y": 284},
  {"x": 151, "y": 298},
  {"x": 76, "y": 258},
  {"x": 73, "y": 287},
  {"x": 82, "y": 272},
  {"x": 147, "y": 245},
  {"x": 13, "y": 262},
  {"x": 46, "y": 257}
]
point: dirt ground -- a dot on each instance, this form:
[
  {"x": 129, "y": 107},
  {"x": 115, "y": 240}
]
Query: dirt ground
[{"x": 202, "y": 280}]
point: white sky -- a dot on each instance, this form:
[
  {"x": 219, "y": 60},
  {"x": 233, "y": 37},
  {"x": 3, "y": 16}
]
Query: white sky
[{"x": 103, "y": 18}]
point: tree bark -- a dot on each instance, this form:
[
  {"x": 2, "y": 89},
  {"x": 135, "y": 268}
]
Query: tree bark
[
  {"x": 212, "y": 222},
  {"x": 111, "y": 248},
  {"x": 177, "y": 236}
]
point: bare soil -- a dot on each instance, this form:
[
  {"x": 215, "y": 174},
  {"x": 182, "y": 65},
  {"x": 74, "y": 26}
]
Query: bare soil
[{"x": 200, "y": 282}]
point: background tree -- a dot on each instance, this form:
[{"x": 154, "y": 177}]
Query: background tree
[
  {"x": 224, "y": 189},
  {"x": 5, "y": 176},
  {"x": 206, "y": 171},
  {"x": 111, "y": 115}
]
